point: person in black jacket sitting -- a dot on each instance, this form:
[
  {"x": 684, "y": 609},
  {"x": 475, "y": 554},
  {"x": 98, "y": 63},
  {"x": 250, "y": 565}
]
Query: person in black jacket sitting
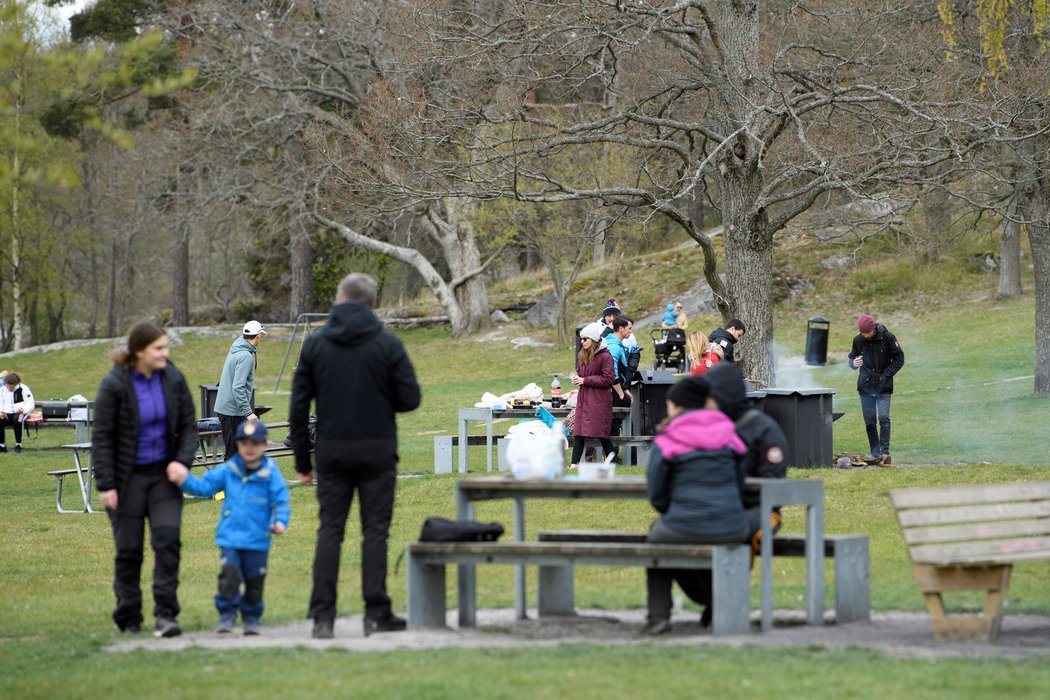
[
  {"x": 767, "y": 446},
  {"x": 360, "y": 376}
]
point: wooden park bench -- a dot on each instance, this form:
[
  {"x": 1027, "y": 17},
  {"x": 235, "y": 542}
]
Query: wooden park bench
[
  {"x": 427, "y": 562},
  {"x": 967, "y": 538},
  {"x": 850, "y": 552}
]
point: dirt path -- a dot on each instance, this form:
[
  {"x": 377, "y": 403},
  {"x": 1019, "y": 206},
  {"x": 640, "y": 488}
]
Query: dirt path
[{"x": 903, "y": 634}]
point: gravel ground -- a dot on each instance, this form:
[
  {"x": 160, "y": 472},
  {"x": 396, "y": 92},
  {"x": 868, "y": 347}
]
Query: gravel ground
[{"x": 903, "y": 634}]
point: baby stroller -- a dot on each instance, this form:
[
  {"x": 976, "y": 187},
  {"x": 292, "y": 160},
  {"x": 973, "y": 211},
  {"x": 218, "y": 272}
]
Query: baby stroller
[{"x": 668, "y": 349}]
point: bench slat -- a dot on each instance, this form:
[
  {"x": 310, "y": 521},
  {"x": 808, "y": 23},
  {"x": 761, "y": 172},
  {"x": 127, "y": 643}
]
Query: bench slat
[
  {"x": 960, "y": 495},
  {"x": 783, "y": 545},
  {"x": 974, "y": 514},
  {"x": 561, "y": 549},
  {"x": 982, "y": 531},
  {"x": 992, "y": 551}
]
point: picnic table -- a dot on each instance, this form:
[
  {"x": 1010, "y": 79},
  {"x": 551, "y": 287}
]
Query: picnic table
[
  {"x": 209, "y": 454},
  {"x": 773, "y": 492},
  {"x": 488, "y": 415}
]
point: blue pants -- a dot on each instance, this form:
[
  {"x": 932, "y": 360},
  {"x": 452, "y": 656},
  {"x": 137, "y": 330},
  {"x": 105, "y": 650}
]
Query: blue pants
[
  {"x": 876, "y": 408},
  {"x": 241, "y": 565}
]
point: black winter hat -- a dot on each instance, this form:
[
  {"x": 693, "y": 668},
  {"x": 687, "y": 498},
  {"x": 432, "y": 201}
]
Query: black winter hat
[
  {"x": 611, "y": 307},
  {"x": 728, "y": 389},
  {"x": 690, "y": 392}
]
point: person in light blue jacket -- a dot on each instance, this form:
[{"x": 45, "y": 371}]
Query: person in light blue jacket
[
  {"x": 255, "y": 507},
  {"x": 233, "y": 401}
]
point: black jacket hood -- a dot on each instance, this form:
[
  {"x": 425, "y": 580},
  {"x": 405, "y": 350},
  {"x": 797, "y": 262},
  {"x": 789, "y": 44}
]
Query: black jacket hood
[
  {"x": 728, "y": 389},
  {"x": 350, "y": 323}
]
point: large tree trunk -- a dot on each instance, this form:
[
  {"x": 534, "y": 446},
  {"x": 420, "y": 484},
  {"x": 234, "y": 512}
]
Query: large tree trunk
[
  {"x": 180, "y": 288},
  {"x": 749, "y": 271},
  {"x": 459, "y": 247},
  {"x": 463, "y": 319},
  {"x": 1010, "y": 257},
  {"x": 1037, "y": 217},
  {"x": 748, "y": 240},
  {"x": 302, "y": 264}
]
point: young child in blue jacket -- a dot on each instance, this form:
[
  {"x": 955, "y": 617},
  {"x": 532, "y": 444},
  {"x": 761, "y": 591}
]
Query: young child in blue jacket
[{"x": 256, "y": 505}]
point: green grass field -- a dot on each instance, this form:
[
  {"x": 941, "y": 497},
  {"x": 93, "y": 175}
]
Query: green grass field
[{"x": 963, "y": 413}]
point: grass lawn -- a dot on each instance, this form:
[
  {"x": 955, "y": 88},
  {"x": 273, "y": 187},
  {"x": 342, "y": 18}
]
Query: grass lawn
[{"x": 963, "y": 413}]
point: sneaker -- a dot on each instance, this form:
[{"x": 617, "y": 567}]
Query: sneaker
[
  {"x": 251, "y": 627},
  {"x": 18, "y": 448},
  {"x": 3, "y": 448},
  {"x": 323, "y": 629},
  {"x": 226, "y": 624},
  {"x": 132, "y": 628},
  {"x": 166, "y": 627},
  {"x": 390, "y": 623},
  {"x": 656, "y": 628}
]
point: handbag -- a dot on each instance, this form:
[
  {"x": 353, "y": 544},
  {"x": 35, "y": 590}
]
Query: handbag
[
  {"x": 570, "y": 421},
  {"x": 437, "y": 529}
]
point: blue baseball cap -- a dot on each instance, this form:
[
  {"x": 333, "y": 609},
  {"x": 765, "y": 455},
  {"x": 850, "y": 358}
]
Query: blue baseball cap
[{"x": 251, "y": 430}]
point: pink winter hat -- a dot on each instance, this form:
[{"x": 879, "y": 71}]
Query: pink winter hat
[{"x": 865, "y": 324}]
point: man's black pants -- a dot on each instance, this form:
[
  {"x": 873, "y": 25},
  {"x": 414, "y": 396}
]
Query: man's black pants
[
  {"x": 148, "y": 495},
  {"x": 228, "y": 425},
  {"x": 340, "y": 471}
]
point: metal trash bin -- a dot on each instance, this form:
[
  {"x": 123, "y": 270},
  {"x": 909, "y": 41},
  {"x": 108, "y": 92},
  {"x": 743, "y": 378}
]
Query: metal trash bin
[
  {"x": 757, "y": 400},
  {"x": 650, "y": 404},
  {"x": 817, "y": 341},
  {"x": 208, "y": 394},
  {"x": 804, "y": 414}
]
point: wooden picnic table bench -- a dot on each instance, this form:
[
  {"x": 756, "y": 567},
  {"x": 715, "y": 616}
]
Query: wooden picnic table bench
[
  {"x": 850, "y": 552},
  {"x": 427, "y": 562},
  {"x": 968, "y": 538}
]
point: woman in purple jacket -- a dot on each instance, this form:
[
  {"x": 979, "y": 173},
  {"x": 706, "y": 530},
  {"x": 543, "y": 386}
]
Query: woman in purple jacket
[
  {"x": 594, "y": 377},
  {"x": 143, "y": 422}
]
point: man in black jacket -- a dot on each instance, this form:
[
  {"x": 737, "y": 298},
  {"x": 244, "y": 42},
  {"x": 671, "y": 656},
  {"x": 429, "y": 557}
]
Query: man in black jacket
[
  {"x": 360, "y": 377},
  {"x": 727, "y": 337},
  {"x": 766, "y": 443},
  {"x": 879, "y": 356}
]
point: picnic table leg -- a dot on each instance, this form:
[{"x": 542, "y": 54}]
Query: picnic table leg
[
  {"x": 426, "y": 594},
  {"x": 488, "y": 442},
  {"x": 766, "y": 543},
  {"x": 462, "y": 443},
  {"x": 815, "y": 563},
  {"x": 519, "y": 570},
  {"x": 85, "y": 493},
  {"x": 732, "y": 604},
  {"x": 466, "y": 574}
]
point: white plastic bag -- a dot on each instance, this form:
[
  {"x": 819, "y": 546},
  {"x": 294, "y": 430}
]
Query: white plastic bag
[{"x": 535, "y": 451}]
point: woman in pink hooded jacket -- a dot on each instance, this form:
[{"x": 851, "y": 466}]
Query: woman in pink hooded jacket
[{"x": 696, "y": 483}]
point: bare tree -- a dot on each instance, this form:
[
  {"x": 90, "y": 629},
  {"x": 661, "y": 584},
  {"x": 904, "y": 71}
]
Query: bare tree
[
  {"x": 770, "y": 105},
  {"x": 1010, "y": 134},
  {"x": 288, "y": 87}
]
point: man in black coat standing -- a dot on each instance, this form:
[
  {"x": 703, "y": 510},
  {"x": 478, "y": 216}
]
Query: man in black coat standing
[
  {"x": 360, "y": 376},
  {"x": 878, "y": 356}
]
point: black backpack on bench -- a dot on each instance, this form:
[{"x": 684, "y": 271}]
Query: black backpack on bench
[{"x": 437, "y": 529}]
